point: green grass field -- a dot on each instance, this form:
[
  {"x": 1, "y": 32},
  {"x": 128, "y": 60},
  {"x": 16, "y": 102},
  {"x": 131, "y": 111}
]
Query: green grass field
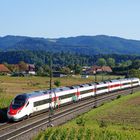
[
  {"x": 11, "y": 86},
  {"x": 116, "y": 120}
]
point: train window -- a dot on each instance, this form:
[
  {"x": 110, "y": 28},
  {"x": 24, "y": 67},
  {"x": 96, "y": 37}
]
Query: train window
[
  {"x": 67, "y": 96},
  {"x": 61, "y": 89},
  {"x": 42, "y": 102},
  {"x": 126, "y": 83},
  {"x": 135, "y": 82},
  {"x": 86, "y": 91},
  {"x": 19, "y": 101},
  {"x": 71, "y": 87},
  {"x": 46, "y": 92},
  {"x": 102, "y": 88},
  {"x": 90, "y": 84}
]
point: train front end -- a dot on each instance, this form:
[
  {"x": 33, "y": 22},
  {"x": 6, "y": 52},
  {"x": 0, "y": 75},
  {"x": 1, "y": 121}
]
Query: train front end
[{"x": 16, "y": 110}]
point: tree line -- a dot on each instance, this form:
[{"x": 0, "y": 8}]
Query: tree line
[{"x": 66, "y": 62}]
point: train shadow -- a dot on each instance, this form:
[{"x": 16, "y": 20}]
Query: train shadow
[{"x": 3, "y": 115}]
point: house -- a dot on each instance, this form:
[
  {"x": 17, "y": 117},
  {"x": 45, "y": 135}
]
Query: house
[
  {"x": 97, "y": 69},
  {"x": 31, "y": 69},
  {"x": 106, "y": 69},
  {"x": 4, "y": 69},
  {"x": 23, "y": 70},
  {"x": 84, "y": 68},
  {"x": 58, "y": 74},
  {"x": 93, "y": 70}
]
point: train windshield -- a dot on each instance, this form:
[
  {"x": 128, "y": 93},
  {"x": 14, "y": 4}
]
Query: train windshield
[{"x": 19, "y": 101}]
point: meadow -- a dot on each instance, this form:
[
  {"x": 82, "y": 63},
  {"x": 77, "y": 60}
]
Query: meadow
[
  {"x": 11, "y": 86},
  {"x": 116, "y": 120}
]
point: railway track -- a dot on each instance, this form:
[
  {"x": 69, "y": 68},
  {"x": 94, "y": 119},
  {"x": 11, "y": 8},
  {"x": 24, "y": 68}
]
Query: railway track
[{"x": 28, "y": 128}]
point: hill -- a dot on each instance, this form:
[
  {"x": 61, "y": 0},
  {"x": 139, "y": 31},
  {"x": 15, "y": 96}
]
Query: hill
[{"x": 88, "y": 45}]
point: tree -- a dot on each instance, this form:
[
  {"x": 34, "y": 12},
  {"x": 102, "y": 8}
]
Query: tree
[
  {"x": 13, "y": 68},
  {"x": 22, "y": 66},
  {"x": 125, "y": 63},
  {"x": 101, "y": 62},
  {"x": 136, "y": 64},
  {"x": 128, "y": 63},
  {"x": 66, "y": 70},
  {"x": 111, "y": 62},
  {"x": 134, "y": 73},
  {"x": 77, "y": 69},
  {"x": 40, "y": 71},
  {"x": 57, "y": 83},
  {"x": 46, "y": 69}
]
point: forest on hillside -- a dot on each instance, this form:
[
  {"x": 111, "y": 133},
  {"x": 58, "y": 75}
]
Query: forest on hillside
[{"x": 61, "y": 58}]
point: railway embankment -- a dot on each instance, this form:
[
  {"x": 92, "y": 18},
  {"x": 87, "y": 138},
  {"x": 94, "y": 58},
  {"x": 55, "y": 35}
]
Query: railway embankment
[{"x": 118, "y": 120}]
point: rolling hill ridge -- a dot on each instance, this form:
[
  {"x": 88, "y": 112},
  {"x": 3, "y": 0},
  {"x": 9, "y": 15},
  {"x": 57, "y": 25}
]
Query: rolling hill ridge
[{"x": 88, "y": 45}]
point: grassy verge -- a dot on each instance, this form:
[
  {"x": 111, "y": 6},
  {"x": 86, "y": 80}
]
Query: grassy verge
[{"x": 117, "y": 120}]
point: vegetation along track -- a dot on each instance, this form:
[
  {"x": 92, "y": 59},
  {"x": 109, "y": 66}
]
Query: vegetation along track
[{"x": 28, "y": 128}]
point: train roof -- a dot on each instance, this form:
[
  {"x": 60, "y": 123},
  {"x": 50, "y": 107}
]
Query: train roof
[
  {"x": 36, "y": 93},
  {"x": 43, "y": 92}
]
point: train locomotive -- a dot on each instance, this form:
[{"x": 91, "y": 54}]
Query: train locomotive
[{"x": 23, "y": 105}]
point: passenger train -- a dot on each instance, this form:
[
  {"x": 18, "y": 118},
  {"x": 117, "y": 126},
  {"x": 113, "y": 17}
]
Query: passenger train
[{"x": 23, "y": 105}]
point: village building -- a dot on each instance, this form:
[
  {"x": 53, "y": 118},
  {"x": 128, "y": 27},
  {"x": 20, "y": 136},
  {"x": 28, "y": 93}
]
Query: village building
[
  {"x": 4, "y": 69},
  {"x": 23, "y": 70},
  {"x": 59, "y": 74},
  {"x": 98, "y": 69},
  {"x": 31, "y": 69}
]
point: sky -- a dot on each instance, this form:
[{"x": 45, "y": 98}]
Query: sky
[{"x": 66, "y": 18}]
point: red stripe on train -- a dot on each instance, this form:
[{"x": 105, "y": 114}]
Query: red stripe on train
[{"x": 113, "y": 86}]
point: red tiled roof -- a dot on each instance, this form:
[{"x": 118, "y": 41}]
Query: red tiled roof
[
  {"x": 3, "y": 68},
  {"x": 99, "y": 69},
  {"x": 106, "y": 69}
]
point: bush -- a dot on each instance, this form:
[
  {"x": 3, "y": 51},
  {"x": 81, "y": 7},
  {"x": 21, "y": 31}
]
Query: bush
[
  {"x": 57, "y": 83},
  {"x": 80, "y": 121},
  {"x": 119, "y": 96},
  {"x": 102, "y": 123}
]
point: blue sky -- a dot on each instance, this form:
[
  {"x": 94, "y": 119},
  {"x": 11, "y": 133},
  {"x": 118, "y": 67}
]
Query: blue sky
[{"x": 64, "y": 18}]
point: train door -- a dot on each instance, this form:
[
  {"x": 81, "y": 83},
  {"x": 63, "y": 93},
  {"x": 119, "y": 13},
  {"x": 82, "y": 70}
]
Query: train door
[
  {"x": 28, "y": 108},
  {"x": 109, "y": 86},
  {"x": 131, "y": 83},
  {"x": 121, "y": 85},
  {"x": 78, "y": 95},
  {"x": 74, "y": 96},
  {"x": 95, "y": 90}
]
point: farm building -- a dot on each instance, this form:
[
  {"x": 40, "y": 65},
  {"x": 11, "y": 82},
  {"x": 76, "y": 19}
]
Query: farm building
[
  {"x": 98, "y": 69},
  {"x": 4, "y": 69}
]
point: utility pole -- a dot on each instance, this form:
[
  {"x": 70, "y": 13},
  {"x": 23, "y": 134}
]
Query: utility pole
[
  {"x": 95, "y": 77},
  {"x": 50, "y": 72},
  {"x": 102, "y": 75},
  {"x": 50, "y": 94}
]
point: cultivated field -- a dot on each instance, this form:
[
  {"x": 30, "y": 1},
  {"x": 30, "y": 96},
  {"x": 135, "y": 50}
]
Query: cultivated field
[
  {"x": 117, "y": 120},
  {"x": 11, "y": 86}
]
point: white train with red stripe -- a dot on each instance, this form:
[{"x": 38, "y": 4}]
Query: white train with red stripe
[{"x": 26, "y": 104}]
